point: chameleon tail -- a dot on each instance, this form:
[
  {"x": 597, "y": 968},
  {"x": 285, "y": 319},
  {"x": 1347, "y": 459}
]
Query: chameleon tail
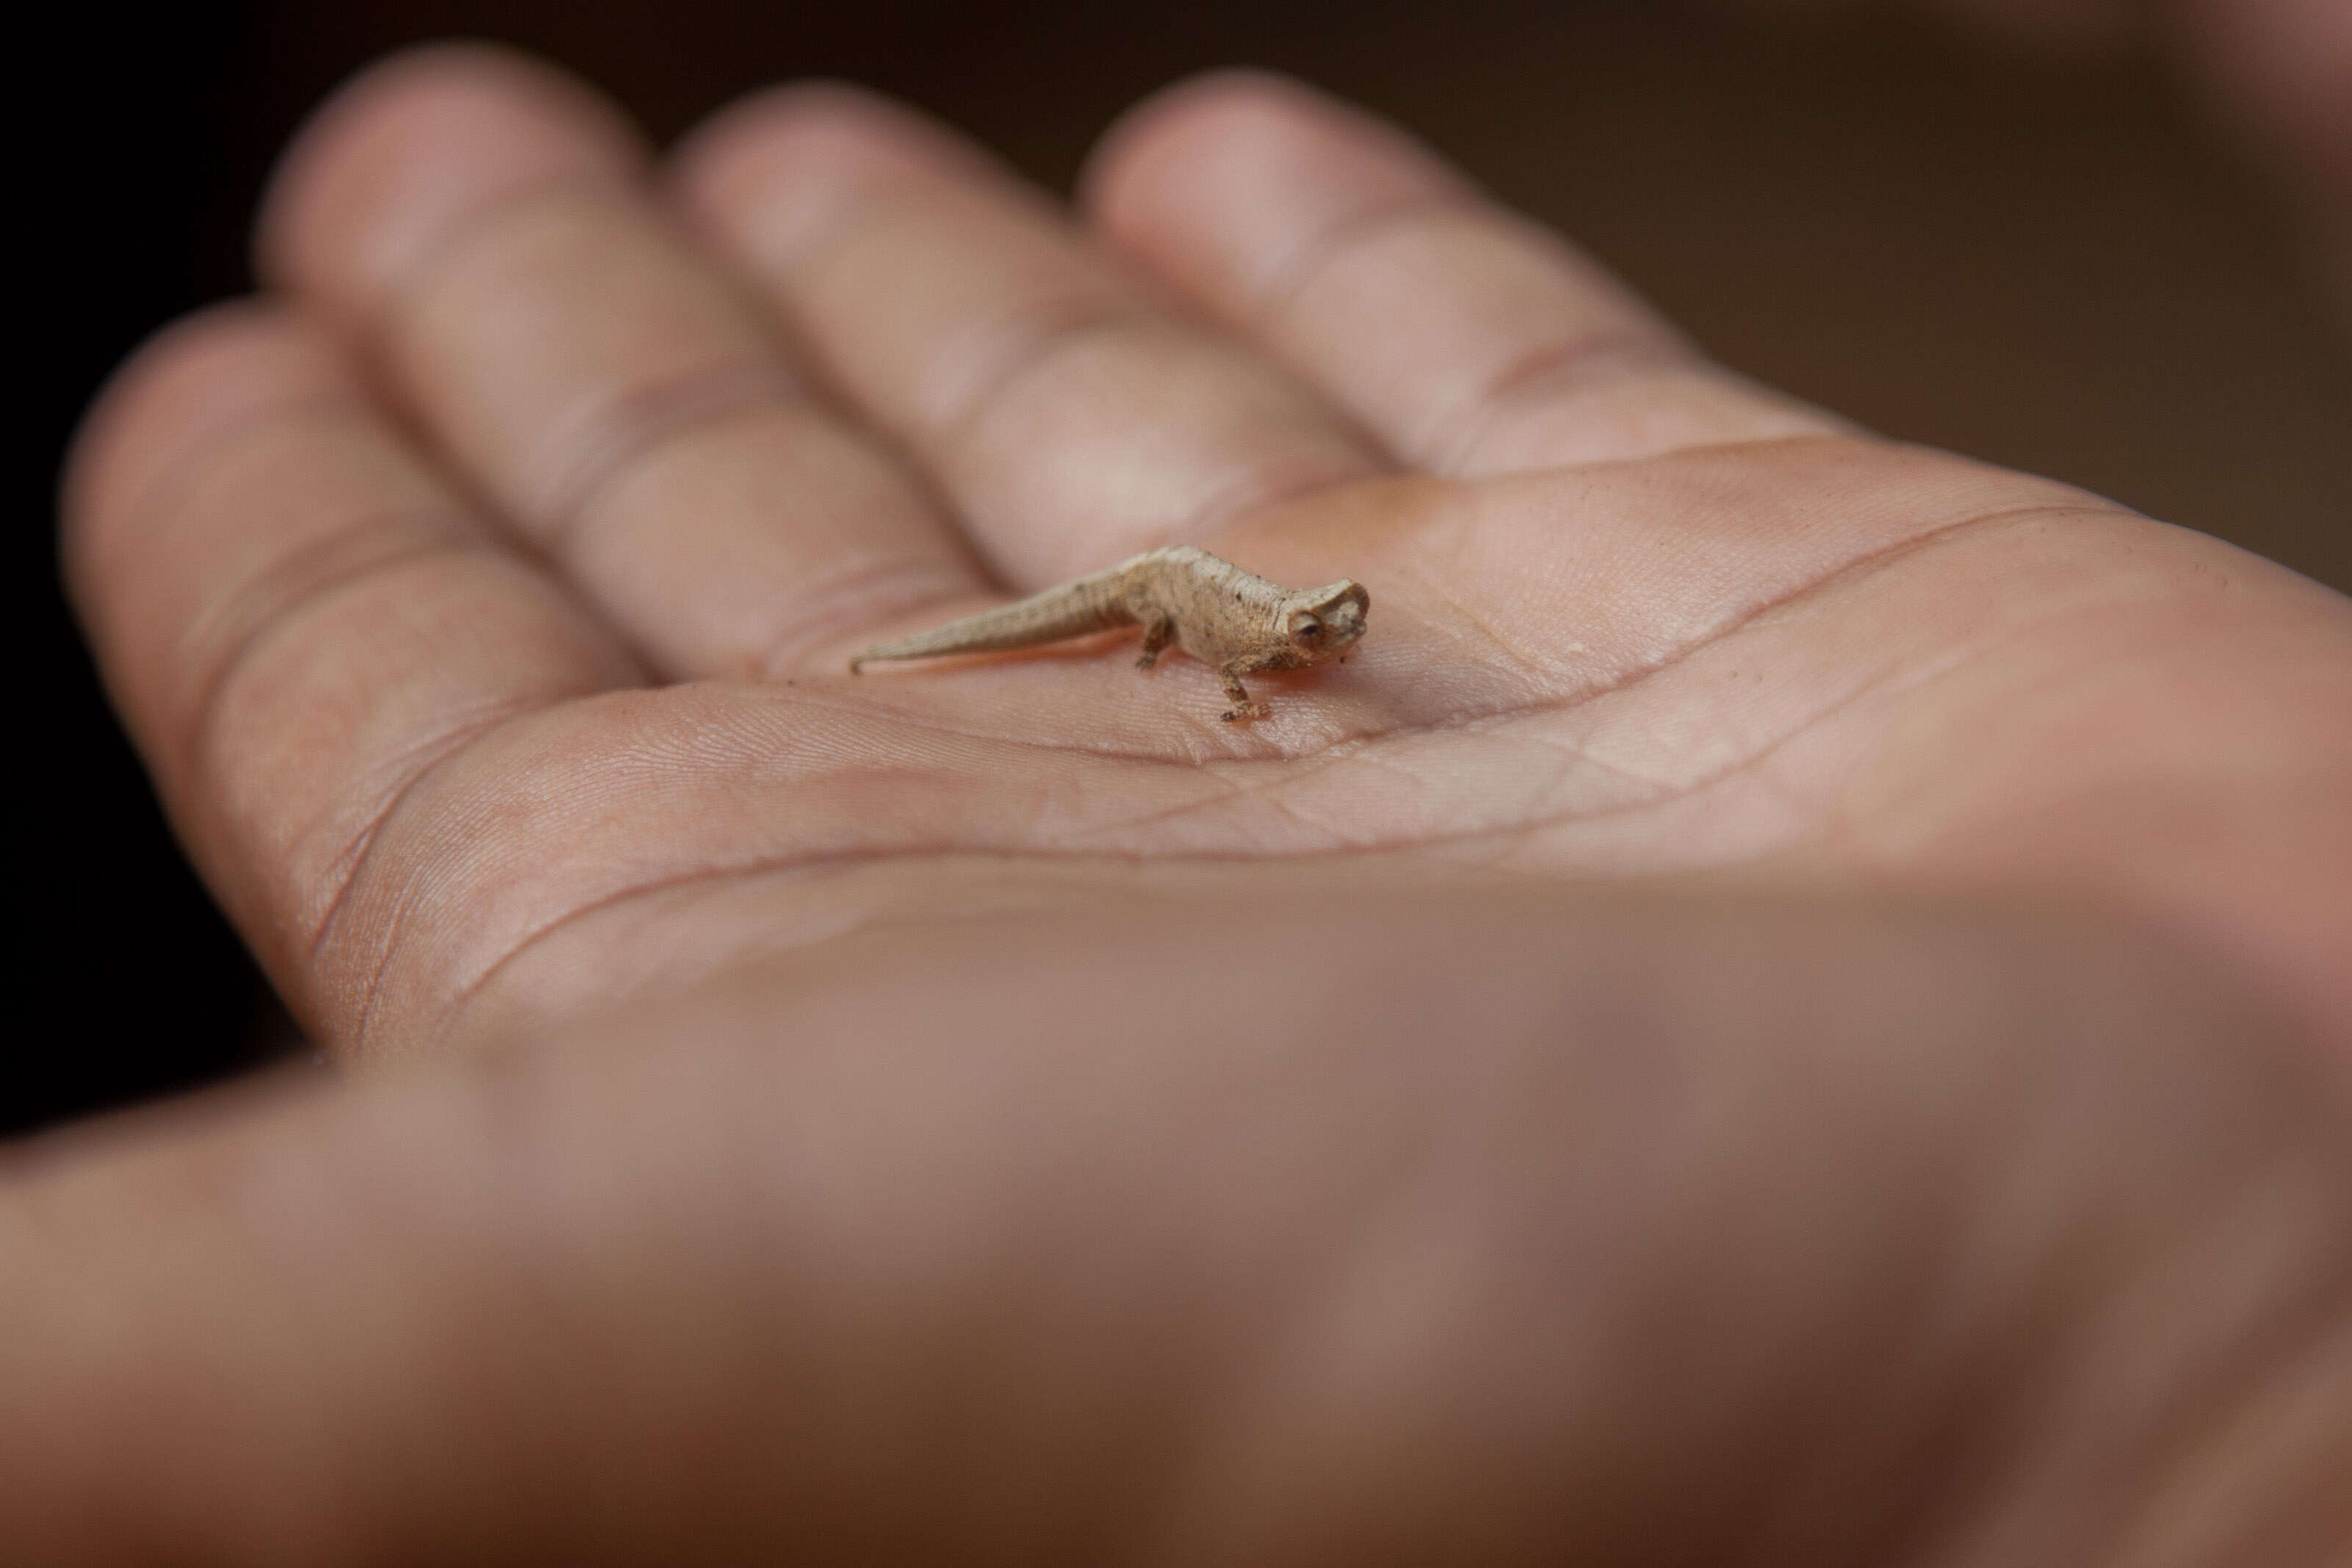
[{"x": 1090, "y": 605}]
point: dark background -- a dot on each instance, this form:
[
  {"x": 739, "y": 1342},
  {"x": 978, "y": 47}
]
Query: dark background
[{"x": 2054, "y": 263}]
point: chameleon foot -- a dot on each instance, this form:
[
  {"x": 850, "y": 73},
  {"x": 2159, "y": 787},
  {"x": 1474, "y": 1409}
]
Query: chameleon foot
[{"x": 1247, "y": 710}]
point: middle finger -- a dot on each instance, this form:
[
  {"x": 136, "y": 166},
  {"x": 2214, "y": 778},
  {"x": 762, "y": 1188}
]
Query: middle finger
[{"x": 1071, "y": 414}]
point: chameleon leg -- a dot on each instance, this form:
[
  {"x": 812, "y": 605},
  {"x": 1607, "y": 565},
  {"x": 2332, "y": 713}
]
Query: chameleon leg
[
  {"x": 1158, "y": 631},
  {"x": 1229, "y": 678}
]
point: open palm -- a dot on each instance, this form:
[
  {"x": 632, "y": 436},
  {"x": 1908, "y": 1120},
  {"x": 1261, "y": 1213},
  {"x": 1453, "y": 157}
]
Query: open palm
[{"x": 482, "y": 601}]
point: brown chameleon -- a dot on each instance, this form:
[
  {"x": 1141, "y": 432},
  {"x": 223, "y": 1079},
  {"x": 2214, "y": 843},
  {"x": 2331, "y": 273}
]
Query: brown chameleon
[{"x": 1231, "y": 620}]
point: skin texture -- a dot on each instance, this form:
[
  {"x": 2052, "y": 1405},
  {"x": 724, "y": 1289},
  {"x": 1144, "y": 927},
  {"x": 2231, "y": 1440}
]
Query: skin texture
[
  {"x": 1792, "y": 1005},
  {"x": 455, "y": 773},
  {"x": 1230, "y": 620}
]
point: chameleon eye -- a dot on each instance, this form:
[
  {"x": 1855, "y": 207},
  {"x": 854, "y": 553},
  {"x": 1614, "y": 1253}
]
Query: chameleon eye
[{"x": 1308, "y": 628}]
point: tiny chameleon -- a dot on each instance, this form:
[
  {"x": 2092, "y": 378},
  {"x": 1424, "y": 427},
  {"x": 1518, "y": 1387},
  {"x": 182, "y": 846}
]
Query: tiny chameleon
[{"x": 1232, "y": 621}]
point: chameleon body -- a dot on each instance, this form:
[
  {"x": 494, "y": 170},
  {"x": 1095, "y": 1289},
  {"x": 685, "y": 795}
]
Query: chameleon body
[{"x": 1232, "y": 621}]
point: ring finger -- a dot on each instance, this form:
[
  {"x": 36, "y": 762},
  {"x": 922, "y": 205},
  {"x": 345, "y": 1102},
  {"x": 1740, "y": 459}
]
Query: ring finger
[{"x": 481, "y": 225}]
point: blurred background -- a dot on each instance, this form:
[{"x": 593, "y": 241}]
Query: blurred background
[{"x": 2041, "y": 244}]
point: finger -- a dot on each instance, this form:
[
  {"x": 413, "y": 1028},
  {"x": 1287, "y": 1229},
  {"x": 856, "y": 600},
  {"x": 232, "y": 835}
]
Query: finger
[
  {"x": 480, "y": 222},
  {"x": 1069, "y": 416},
  {"x": 298, "y": 620},
  {"x": 1473, "y": 342},
  {"x": 1605, "y": 1269}
]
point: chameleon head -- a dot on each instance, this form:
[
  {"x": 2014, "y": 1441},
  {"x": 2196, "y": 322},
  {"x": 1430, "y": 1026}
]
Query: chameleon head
[{"x": 1324, "y": 622}]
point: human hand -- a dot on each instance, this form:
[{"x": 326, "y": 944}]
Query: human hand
[
  {"x": 537, "y": 710},
  {"x": 1420, "y": 1202}
]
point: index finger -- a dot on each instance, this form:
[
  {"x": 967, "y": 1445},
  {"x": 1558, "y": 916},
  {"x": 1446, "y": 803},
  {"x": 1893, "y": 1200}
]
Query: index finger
[{"x": 1471, "y": 340}]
